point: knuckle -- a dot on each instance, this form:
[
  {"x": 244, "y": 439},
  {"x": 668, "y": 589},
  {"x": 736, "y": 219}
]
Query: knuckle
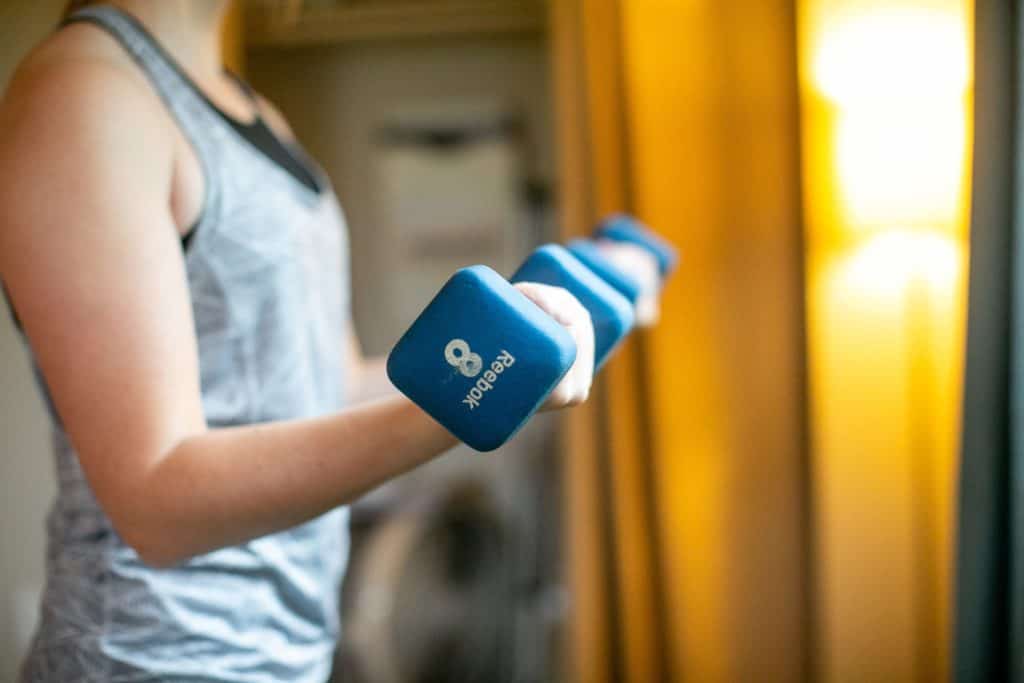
[{"x": 564, "y": 296}]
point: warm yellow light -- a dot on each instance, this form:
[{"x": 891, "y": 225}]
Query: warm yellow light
[
  {"x": 896, "y": 80},
  {"x": 882, "y": 268},
  {"x": 887, "y": 127},
  {"x": 901, "y": 164},
  {"x": 892, "y": 54}
]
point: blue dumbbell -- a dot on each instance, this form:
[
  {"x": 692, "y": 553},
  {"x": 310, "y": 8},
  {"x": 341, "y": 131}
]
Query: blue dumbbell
[
  {"x": 590, "y": 256},
  {"x": 481, "y": 358},
  {"x": 610, "y": 312},
  {"x": 624, "y": 228}
]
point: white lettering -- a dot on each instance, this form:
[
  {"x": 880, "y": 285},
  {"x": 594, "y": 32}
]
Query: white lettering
[{"x": 467, "y": 362}]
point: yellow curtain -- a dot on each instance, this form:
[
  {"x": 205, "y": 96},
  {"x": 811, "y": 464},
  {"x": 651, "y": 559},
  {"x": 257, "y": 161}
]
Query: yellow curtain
[
  {"x": 234, "y": 38},
  {"x": 685, "y": 113}
]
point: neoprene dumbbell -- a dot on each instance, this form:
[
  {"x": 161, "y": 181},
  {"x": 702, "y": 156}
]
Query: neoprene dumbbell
[
  {"x": 610, "y": 312},
  {"x": 481, "y": 358},
  {"x": 587, "y": 252},
  {"x": 625, "y": 228}
]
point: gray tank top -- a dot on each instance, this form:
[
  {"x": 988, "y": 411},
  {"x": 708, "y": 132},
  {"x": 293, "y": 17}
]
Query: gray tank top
[{"x": 268, "y": 273}]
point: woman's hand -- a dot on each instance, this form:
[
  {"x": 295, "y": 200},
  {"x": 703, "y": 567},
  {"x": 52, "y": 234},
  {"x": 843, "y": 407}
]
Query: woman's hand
[
  {"x": 570, "y": 313},
  {"x": 639, "y": 264}
]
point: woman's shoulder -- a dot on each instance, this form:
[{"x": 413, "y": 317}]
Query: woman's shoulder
[
  {"x": 70, "y": 110},
  {"x": 79, "y": 70}
]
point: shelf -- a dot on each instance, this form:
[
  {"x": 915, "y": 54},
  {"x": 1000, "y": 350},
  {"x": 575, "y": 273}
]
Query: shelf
[{"x": 290, "y": 23}]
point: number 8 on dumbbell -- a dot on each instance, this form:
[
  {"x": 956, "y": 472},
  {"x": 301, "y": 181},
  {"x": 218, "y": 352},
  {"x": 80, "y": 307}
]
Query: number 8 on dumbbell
[{"x": 459, "y": 355}]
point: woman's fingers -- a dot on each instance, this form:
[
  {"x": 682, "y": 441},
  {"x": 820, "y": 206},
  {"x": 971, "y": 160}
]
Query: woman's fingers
[
  {"x": 570, "y": 313},
  {"x": 639, "y": 264}
]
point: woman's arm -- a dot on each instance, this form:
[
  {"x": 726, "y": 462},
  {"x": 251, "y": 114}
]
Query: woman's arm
[
  {"x": 369, "y": 374},
  {"x": 92, "y": 259}
]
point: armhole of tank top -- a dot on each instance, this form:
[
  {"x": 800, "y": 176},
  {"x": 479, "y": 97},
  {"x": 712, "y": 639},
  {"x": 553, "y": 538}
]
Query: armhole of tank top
[
  {"x": 285, "y": 153},
  {"x": 188, "y": 237},
  {"x": 10, "y": 307}
]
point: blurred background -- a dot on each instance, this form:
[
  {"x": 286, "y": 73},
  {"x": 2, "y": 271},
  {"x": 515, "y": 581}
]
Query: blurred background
[{"x": 764, "y": 487}]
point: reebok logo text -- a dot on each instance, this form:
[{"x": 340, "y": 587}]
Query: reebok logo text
[{"x": 486, "y": 382}]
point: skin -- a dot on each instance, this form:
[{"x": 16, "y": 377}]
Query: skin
[
  {"x": 639, "y": 264},
  {"x": 90, "y": 253}
]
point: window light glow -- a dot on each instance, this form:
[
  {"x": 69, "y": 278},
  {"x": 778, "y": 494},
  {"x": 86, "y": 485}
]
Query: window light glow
[
  {"x": 901, "y": 165},
  {"x": 892, "y": 53}
]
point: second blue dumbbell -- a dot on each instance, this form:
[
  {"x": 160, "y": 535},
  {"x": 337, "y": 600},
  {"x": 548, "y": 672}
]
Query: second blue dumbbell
[
  {"x": 625, "y": 228},
  {"x": 590, "y": 255},
  {"x": 610, "y": 312}
]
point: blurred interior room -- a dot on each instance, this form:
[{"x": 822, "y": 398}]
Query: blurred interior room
[{"x": 806, "y": 471}]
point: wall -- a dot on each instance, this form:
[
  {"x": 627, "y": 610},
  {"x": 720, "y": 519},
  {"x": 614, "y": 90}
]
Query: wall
[
  {"x": 335, "y": 98},
  {"x": 26, "y": 474}
]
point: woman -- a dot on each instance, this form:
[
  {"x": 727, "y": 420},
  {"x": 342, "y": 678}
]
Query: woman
[{"x": 179, "y": 269}]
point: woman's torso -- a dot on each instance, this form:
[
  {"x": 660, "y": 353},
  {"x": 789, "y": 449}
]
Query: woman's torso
[{"x": 268, "y": 276}]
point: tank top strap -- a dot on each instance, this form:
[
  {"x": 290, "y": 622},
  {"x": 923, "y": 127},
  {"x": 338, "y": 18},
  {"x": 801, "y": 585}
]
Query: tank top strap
[{"x": 163, "y": 71}]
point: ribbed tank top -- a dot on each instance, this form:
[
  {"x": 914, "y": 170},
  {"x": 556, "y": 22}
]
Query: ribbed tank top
[{"x": 267, "y": 268}]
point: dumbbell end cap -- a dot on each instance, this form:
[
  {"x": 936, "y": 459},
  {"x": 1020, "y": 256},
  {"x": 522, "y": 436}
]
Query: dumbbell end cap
[
  {"x": 481, "y": 358},
  {"x": 610, "y": 312},
  {"x": 590, "y": 256},
  {"x": 625, "y": 228}
]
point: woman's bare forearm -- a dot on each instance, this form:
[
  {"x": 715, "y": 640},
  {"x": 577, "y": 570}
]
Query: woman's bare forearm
[
  {"x": 368, "y": 374},
  {"x": 228, "y": 486},
  {"x": 373, "y": 383}
]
